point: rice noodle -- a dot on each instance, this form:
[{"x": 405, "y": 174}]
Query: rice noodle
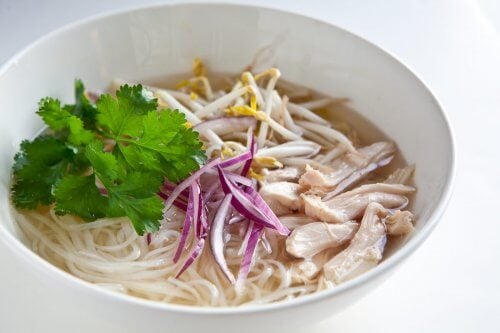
[{"x": 122, "y": 261}]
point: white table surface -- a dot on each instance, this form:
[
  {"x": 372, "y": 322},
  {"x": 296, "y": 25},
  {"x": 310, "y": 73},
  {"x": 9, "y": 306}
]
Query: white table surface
[{"x": 452, "y": 283}]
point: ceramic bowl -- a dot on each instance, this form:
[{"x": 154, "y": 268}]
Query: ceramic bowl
[{"x": 159, "y": 41}]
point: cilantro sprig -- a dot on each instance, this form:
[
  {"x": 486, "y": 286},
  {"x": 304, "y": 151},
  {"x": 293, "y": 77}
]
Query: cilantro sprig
[{"x": 107, "y": 159}]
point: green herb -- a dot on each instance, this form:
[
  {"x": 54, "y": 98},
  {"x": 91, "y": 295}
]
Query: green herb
[
  {"x": 107, "y": 159},
  {"x": 39, "y": 165}
]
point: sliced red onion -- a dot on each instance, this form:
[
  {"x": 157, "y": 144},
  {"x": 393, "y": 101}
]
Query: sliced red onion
[
  {"x": 258, "y": 202},
  {"x": 235, "y": 160},
  {"x": 171, "y": 186},
  {"x": 253, "y": 149},
  {"x": 188, "y": 221},
  {"x": 195, "y": 194},
  {"x": 246, "y": 262},
  {"x": 192, "y": 257},
  {"x": 250, "y": 214},
  {"x": 187, "y": 182},
  {"x": 203, "y": 220},
  {"x": 182, "y": 206},
  {"x": 215, "y": 203},
  {"x": 236, "y": 219},
  {"x": 211, "y": 190},
  {"x": 216, "y": 236},
  {"x": 148, "y": 238},
  {"x": 244, "y": 243},
  {"x": 236, "y": 178},
  {"x": 238, "y": 192},
  {"x": 177, "y": 203},
  {"x": 168, "y": 185},
  {"x": 241, "y": 203},
  {"x": 254, "y": 184},
  {"x": 226, "y": 125},
  {"x": 250, "y": 204}
]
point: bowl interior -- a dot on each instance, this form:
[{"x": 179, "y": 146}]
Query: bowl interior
[{"x": 162, "y": 41}]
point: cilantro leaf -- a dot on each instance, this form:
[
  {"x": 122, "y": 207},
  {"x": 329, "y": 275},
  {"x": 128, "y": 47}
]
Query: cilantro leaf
[
  {"x": 139, "y": 184},
  {"x": 83, "y": 108},
  {"x": 137, "y": 199},
  {"x": 38, "y": 166},
  {"x": 80, "y": 196},
  {"x": 183, "y": 154},
  {"x": 133, "y": 194},
  {"x": 148, "y": 148},
  {"x": 145, "y": 213},
  {"x": 121, "y": 115},
  {"x": 136, "y": 98},
  {"x": 147, "y": 139},
  {"x": 60, "y": 120},
  {"x": 104, "y": 164}
]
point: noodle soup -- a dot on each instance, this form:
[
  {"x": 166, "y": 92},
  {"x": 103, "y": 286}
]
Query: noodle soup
[{"x": 298, "y": 193}]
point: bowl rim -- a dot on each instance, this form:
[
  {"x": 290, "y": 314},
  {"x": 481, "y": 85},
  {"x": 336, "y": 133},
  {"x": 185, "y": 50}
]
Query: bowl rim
[{"x": 93, "y": 290}]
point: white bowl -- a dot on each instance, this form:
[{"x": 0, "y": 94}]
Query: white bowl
[{"x": 162, "y": 40}]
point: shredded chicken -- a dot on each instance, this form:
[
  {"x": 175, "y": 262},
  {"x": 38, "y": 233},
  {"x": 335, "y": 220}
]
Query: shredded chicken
[
  {"x": 288, "y": 174},
  {"x": 328, "y": 177},
  {"x": 351, "y": 205},
  {"x": 304, "y": 270},
  {"x": 365, "y": 249},
  {"x": 357, "y": 176},
  {"x": 282, "y": 197},
  {"x": 295, "y": 220},
  {"x": 401, "y": 176},
  {"x": 400, "y": 223},
  {"x": 312, "y": 238}
]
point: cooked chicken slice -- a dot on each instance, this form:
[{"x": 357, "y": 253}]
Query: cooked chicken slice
[
  {"x": 365, "y": 249},
  {"x": 400, "y": 223},
  {"x": 282, "y": 196},
  {"x": 305, "y": 270},
  {"x": 327, "y": 178},
  {"x": 287, "y": 174},
  {"x": 401, "y": 176},
  {"x": 316, "y": 177},
  {"x": 295, "y": 220},
  {"x": 357, "y": 176},
  {"x": 351, "y": 205},
  {"x": 312, "y": 238}
]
